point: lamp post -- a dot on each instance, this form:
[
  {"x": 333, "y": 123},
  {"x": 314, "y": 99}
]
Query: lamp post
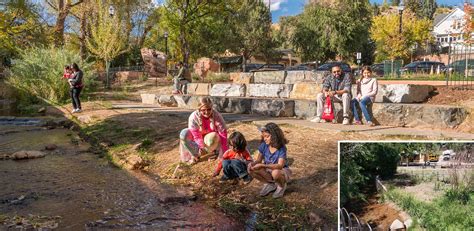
[
  {"x": 166, "y": 50},
  {"x": 111, "y": 11},
  {"x": 401, "y": 7}
]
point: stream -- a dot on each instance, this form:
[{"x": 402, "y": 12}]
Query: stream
[{"x": 73, "y": 189}]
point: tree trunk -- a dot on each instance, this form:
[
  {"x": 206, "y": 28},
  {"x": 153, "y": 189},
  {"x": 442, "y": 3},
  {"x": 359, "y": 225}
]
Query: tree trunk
[
  {"x": 107, "y": 65},
  {"x": 83, "y": 48},
  {"x": 63, "y": 11}
]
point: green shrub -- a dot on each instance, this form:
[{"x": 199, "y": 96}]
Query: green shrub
[
  {"x": 213, "y": 77},
  {"x": 38, "y": 74}
]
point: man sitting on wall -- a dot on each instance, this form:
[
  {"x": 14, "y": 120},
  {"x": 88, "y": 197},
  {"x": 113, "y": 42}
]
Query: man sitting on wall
[
  {"x": 338, "y": 86},
  {"x": 179, "y": 81}
]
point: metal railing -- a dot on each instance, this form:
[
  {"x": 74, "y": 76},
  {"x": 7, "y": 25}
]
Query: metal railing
[
  {"x": 350, "y": 222},
  {"x": 460, "y": 70}
]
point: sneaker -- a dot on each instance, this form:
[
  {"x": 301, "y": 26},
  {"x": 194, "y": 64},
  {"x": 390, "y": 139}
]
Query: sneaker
[
  {"x": 268, "y": 188},
  {"x": 357, "y": 122},
  {"x": 345, "y": 121},
  {"x": 223, "y": 179},
  {"x": 247, "y": 179},
  {"x": 370, "y": 123},
  {"x": 316, "y": 120},
  {"x": 78, "y": 110},
  {"x": 74, "y": 110},
  {"x": 279, "y": 191}
]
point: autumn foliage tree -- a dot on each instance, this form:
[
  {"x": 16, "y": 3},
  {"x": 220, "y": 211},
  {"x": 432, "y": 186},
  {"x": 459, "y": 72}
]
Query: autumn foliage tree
[{"x": 390, "y": 44}]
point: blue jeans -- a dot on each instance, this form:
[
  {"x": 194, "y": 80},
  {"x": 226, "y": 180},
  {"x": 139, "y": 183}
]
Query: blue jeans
[
  {"x": 234, "y": 168},
  {"x": 363, "y": 103}
]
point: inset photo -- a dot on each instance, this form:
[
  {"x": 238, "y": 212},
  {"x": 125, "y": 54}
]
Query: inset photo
[{"x": 406, "y": 185}]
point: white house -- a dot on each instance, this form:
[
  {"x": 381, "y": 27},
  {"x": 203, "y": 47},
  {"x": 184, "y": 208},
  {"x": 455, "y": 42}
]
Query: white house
[{"x": 449, "y": 27}]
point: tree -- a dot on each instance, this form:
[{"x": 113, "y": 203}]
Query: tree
[
  {"x": 20, "y": 28},
  {"x": 107, "y": 39},
  {"x": 390, "y": 43},
  {"x": 422, "y": 8},
  {"x": 324, "y": 33},
  {"x": 181, "y": 17},
  {"x": 62, "y": 8},
  {"x": 251, "y": 24}
]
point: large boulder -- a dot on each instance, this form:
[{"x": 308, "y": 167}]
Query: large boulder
[
  {"x": 227, "y": 89},
  {"x": 403, "y": 93},
  {"x": 232, "y": 105},
  {"x": 203, "y": 66},
  {"x": 149, "y": 98},
  {"x": 199, "y": 88},
  {"x": 270, "y": 77},
  {"x": 421, "y": 116},
  {"x": 270, "y": 90},
  {"x": 181, "y": 100},
  {"x": 293, "y": 77},
  {"x": 167, "y": 100},
  {"x": 317, "y": 76},
  {"x": 305, "y": 109},
  {"x": 155, "y": 62},
  {"x": 273, "y": 107},
  {"x": 241, "y": 78},
  {"x": 305, "y": 91}
]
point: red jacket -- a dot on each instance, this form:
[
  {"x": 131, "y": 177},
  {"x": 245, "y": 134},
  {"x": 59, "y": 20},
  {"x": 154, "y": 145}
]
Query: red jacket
[{"x": 231, "y": 155}]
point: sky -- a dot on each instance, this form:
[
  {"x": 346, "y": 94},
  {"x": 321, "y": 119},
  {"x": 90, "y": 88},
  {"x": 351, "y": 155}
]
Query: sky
[{"x": 293, "y": 7}]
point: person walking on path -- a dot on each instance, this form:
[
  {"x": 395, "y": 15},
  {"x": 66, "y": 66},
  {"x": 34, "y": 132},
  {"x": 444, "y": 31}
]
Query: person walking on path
[
  {"x": 206, "y": 134},
  {"x": 274, "y": 171},
  {"x": 367, "y": 88},
  {"x": 76, "y": 84},
  {"x": 338, "y": 87}
]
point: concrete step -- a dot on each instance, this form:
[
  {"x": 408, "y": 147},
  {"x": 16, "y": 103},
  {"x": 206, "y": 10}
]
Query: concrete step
[{"x": 388, "y": 114}]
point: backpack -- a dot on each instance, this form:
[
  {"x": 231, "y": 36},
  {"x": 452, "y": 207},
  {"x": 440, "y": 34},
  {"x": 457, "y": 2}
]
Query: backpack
[{"x": 328, "y": 111}]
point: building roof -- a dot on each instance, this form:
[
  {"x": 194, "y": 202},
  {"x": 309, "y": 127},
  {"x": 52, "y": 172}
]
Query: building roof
[
  {"x": 436, "y": 23},
  {"x": 438, "y": 18}
]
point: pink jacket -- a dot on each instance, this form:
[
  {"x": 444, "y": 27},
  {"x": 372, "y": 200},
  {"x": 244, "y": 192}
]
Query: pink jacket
[{"x": 200, "y": 126}]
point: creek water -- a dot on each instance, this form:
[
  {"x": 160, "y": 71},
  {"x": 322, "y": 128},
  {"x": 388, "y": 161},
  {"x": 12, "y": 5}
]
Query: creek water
[{"x": 81, "y": 191}]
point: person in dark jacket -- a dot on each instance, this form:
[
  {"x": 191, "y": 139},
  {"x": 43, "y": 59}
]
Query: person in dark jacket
[{"x": 75, "y": 81}]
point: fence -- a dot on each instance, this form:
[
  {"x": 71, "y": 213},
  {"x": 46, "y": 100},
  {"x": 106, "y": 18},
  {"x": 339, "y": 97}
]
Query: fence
[{"x": 460, "y": 69}]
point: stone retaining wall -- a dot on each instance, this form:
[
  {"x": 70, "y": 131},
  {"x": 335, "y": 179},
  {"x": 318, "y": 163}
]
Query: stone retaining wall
[{"x": 389, "y": 114}]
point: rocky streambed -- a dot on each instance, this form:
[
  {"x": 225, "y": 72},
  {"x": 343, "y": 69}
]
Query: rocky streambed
[{"x": 71, "y": 188}]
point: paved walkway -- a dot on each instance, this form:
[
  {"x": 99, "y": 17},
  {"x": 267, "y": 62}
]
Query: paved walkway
[{"x": 260, "y": 120}]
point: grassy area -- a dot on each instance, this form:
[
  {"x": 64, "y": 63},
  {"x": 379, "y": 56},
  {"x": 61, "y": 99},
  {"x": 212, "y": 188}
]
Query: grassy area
[{"x": 446, "y": 213}]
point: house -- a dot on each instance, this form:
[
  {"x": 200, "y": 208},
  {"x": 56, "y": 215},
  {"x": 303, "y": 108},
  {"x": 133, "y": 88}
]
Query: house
[{"x": 448, "y": 28}]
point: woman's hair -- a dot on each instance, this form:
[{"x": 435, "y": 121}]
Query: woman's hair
[
  {"x": 75, "y": 66},
  {"x": 277, "y": 139},
  {"x": 67, "y": 67},
  {"x": 205, "y": 101},
  {"x": 237, "y": 141},
  {"x": 366, "y": 68}
]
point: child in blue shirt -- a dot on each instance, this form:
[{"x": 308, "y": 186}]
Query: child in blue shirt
[{"x": 274, "y": 171}]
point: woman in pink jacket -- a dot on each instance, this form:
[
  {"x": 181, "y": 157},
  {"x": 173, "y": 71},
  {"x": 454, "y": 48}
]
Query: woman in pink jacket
[
  {"x": 206, "y": 133},
  {"x": 367, "y": 88}
]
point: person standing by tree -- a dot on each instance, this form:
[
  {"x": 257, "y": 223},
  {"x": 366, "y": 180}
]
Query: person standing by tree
[
  {"x": 179, "y": 81},
  {"x": 76, "y": 87}
]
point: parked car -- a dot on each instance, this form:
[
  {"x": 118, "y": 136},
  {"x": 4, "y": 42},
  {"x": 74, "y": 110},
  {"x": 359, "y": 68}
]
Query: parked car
[
  {"x": 448, "y": 154},
  {"x": 303, "y": 67},
  {"x": 328, "y": 66},
  {"x": 459, "y": 66},
  {"x": 271, "y": 67},
  {"x": 252, "y": 66},
  {"x": 377, "y": 70},
  {"x": 423, "y": 67}
]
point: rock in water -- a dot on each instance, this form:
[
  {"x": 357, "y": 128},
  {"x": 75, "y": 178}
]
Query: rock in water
[
  {"x": 50, "y": 147},
  {"x": 20, "y": 155},
  {"x": 397, "y": 225}
]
